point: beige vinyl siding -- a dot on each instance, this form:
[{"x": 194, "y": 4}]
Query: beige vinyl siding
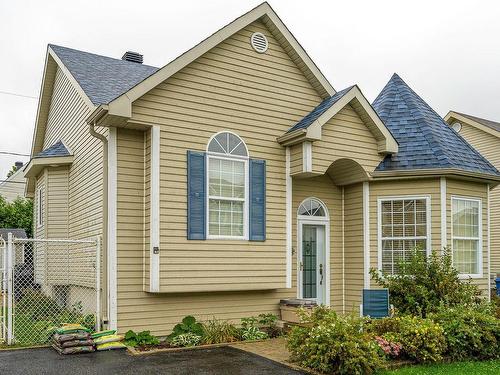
[
  {"x": 416, "y": 187},
  {"x": 57, "y": 202},
  {"x": 66, "y": 122},
  {"x": 296, "y": 165},
  {"x": 489, "y": 146},
  {"x": 322, "y": 188},
  {"x": 353, "y": 246},
  {"x": 130, "y": 210},
  {"x": 39, "y": 231},
  {"x": 459, "y": 188},
  {"x": 259, "y": 97},
  {"x": 147, "y": 205},
  {"x": 345, "y": 136}
]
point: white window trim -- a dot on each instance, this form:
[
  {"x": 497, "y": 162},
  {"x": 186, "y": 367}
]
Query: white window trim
[
  {"x": 428, "y": 210},
  {"x": 245, "y": 160},
  {"x": 314, "y": 220},
  {"x": 39, "y": 208},
  {"x": 480, "y": 236}
]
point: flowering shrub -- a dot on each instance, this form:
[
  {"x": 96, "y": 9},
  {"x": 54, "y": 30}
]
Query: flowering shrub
[
  {"x": 333, "y": 344},
  {"x": 390, "y": 349},
  {"x": 424, "y": 283},
  {"x": 421, "y": 339},
  {"x": 471, "y": 332}
]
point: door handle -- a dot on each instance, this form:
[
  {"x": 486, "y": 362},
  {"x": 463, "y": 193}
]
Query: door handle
[{"x": 321, "y": 274}]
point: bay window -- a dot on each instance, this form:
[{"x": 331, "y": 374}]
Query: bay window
[
  {"x": 403, "y": 229},
  {"x": 466, "y": 235}
]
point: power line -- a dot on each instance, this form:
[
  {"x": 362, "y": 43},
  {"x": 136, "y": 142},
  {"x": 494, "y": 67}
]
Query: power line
[
  {"x": 13, "y": 153},
  {"x": 19, "y": 95}
]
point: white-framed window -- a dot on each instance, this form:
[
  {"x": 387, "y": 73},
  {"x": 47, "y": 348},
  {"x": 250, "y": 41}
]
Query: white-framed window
[
  {"x": 39, "y": 207},
  {"x": 227, "y": 187},
  {"x": 466, "y": 235},
  {"x": 403, "y": 227}
]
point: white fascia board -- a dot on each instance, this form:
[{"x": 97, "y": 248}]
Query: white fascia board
[{"x": 154, "y": 243}]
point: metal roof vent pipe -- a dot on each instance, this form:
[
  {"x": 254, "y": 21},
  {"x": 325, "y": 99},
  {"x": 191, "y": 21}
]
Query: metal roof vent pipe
[{"x": 133, "y": 57}]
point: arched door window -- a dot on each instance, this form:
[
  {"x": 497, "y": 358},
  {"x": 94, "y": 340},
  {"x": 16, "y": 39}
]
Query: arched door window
[{"x": 313, "y": 208}]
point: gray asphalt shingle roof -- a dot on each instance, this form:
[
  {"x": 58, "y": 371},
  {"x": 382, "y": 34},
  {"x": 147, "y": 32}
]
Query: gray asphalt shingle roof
[
  {"x": 491, "y": 124},
  {"x": 425, "y": 140},
  {"x": 57, "y": 149},
  {"x": 319, "y": 110},
  {"x": 102, "y": 78},
  {"x": 16, "y": 232}
]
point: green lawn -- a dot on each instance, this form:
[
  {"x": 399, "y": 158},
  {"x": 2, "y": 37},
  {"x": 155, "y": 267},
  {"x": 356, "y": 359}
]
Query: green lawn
[{"x": 467, "y": 368}]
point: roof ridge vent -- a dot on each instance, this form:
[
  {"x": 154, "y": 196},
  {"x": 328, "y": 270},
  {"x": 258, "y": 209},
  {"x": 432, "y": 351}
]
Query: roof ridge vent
[{"x": 131, "y": 56}]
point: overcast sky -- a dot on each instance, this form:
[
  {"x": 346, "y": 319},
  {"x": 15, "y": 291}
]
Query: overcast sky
[{"x": 447, "y": 51}]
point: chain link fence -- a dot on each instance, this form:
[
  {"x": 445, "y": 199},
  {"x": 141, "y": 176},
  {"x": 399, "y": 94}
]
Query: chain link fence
[{"x": 46, "y": 283}]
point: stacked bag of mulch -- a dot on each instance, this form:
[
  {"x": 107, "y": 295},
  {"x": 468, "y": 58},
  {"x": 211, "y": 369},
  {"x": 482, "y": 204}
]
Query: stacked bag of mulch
[
  {"x": 75, "y": 338},
  {"x": 108, "y": 340},
  {"x": 72, "y": 339}
]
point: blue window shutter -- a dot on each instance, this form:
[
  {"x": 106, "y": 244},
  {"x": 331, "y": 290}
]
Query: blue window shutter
[
  {"x": 257, "y": 214},
  {"x": 196, "y": 179}
]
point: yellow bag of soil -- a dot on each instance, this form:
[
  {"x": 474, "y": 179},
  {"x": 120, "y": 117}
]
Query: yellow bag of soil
[
  {"x": 108, "y": 338},
  {"x": 103, "y": 333},
  {"x": 111, "y": 346}
]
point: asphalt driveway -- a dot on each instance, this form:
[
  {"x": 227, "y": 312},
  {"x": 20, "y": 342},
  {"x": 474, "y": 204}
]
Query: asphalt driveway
[{"x": 203, "y": 362}]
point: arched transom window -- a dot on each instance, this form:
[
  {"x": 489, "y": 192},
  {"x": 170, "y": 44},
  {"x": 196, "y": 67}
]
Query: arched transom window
[
  {"x": 312, "y": 207},
  {"x": 227, "y": 186}
]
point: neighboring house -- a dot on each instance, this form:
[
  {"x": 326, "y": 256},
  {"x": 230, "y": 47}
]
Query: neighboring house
[
  {"x": 484, "y": 136},
  {"x": 19, "y": 251},
  {"x": 236, "y": 176},
  {"x": 13, "y": 187}
]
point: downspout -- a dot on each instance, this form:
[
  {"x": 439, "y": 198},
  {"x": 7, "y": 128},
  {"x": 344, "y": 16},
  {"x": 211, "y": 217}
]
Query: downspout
[{"x": 104, "y": 241}]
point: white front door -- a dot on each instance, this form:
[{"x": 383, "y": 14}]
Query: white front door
[{"x": 312, "y": 263}]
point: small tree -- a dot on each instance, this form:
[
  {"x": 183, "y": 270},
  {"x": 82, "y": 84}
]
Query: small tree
[
  {"x": 17, "y": 214},
  {"x": 12, "y": 171},
  {"x": 424, "y": 283}
]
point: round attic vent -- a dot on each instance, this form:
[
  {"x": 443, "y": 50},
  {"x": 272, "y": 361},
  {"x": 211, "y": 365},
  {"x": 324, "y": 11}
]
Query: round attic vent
[
  {"x": 456, "y": 126},
  {"x": 259, "y": 42}
]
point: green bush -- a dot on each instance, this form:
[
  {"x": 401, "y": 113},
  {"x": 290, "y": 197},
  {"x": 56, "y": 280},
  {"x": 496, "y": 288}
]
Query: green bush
[
  {"x": 251, "y": 328},
  {"x": 495, "y": 301},
  {"x": 188, "y": 339},
  {"x": 471, "y": 332},
  {"x": 188, "y": 325},
  {"x": 253, "y": 333},
  {"x": 424, "y": 283},
  {"x": 38, "y": 306},
  {"x": 140, "y": 339},
  {"x": 422, "y": 339},
  {"x": 217, "y": 331},
  {"x": 330, "y": 343}
]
